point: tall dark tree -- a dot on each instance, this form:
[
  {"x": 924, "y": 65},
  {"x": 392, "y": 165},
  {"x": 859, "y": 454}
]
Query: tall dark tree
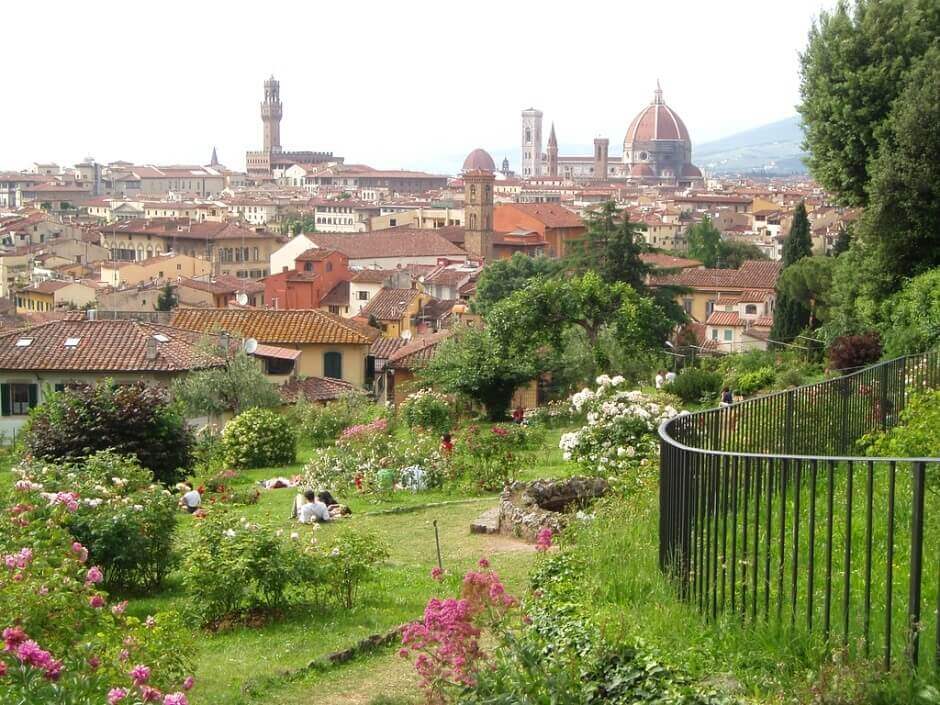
[
  {"x": 166, "y": 300},
  {"x": 799, "y": 242},
  {"x": 733, "y": 253},
  {"x": 611, "y": 247},
  {"x": 855, "y": 65},
  {"x": 704, "y": 242},
  {"x": 842, "y": 241}
]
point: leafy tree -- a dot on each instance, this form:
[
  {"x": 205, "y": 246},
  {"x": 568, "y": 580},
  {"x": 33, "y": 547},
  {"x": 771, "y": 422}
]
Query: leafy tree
[
  {"x": 705, "y": 242},
  {"x": 238, "y": 386},
  {"x": 473, "y": 363},
  {"x": 842, "y": 241},
  {"x": 501, "y": 278},
  {"x": 611, "y": 247},
  {"x": 799, "y": 242},
  {"x": 912, "y": 316},
  {"x": 167, "y": 299},
  {"x": 733, "y": 253},
  {"x": 900, "y": 223},
  {"x": 131, "y": 419},
  {"x": 809, "y": 283},
  {"x": 850, "y": 352},
  {"x": 790, "y": 319},
  {"x": 856, "y": 63},
  {"x": 853, "y": 308}
]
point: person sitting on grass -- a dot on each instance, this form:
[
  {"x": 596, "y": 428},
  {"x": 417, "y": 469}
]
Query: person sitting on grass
[
  {"x": 447, "y": 444},
  {"x": 336, "y": 509},
  {"x": 191, "y": 498},
  {"x": 313, "y": 510}
]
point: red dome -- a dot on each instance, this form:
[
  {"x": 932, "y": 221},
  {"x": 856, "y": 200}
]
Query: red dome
[
  {"x": 641, "y": 170},
  {"x": 479, "y": 160},
  {"x": 691, "y": 171},
  {"x": 657, "y": 121}
]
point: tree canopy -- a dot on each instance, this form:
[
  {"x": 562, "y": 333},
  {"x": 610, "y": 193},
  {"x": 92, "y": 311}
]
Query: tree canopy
[
  {"x": 505, "y": 276},
  {"x": 611, "y": 247},
  {"x": 799, "y": 242},
  {"x": 791, "y": 314},
  {"x": 166, "y": 300},
  {"x": 809, "y": 283},
  {"x": 238, "y": 386},
  {"x": 705, "y": 242}
]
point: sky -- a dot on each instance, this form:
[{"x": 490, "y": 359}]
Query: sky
[{"x": 394, "y": 84}]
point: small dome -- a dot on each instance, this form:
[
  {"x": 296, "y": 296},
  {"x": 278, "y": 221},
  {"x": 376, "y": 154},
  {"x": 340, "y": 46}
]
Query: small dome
[
  {"x": 479, "y": 160},
  {"x": 641, "y": 170}
]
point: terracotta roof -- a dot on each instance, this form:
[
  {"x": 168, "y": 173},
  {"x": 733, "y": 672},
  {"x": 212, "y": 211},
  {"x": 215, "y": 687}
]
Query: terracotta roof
[
  {"x": 389, "y": 243},
  {"x": 549, "y": 214},
  {"x": 389, "y": 304},
  {"x": 314, "y": 254},
  {"x": 658, "y": 260},
  {"x": 316, "y": 389},
  {"x": 223, "y": 284},
  {"x": 275, "y": 352},
  {"x": 724, "y": 318},
  {"x": 372, "y": 276},
  {"x": 337, "y": 296},
  {"x": 383, "y": 347},
  {"x": 286, "y": 327},
  {"x": 479, "y": 160},
  {"x": 763, "y": 322},
  {"x": 50, "y": 286},
  {"x": 417, "y": 352},
  {"x": 104, "y": 346},
  {"x": 753, "y": 274}
]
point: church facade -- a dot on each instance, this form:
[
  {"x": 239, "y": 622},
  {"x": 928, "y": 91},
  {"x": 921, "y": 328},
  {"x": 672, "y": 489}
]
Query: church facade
[{"x": 657, "y": 151}]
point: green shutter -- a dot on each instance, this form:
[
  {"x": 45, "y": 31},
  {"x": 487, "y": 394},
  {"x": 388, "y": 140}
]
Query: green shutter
[
  {"x": 5, "y": 399},
  {"x": 333, "y": 365},
  {"x": 33, "y": 395}
]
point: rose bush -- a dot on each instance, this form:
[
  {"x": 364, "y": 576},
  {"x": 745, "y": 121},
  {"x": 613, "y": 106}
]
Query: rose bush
[
  {"x": 619, "y": 436},
  {"x": 124, "y": 519},
  {"x": 428, "y": 410},
  {"x": 487, "y": 459},
  {"x": 320, "y": 424},
  {"x": 259, "y": 438}
]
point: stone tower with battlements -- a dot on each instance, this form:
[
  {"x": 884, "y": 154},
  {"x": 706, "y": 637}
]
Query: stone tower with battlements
[{"x": 271, "y": 112}]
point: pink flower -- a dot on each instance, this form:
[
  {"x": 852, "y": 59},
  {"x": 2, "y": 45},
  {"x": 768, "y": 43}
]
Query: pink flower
[
  {"x": 3, "y": 669},
  {"x": 150, "y": 622},
  {"x": 483, "y": 563},
  {"x": 175, "y": 699},
  {"x": 69, "y": 500},
  {"x": 140, "y": 673},
  {"x": 437, "y": 573},
  {"x": 543, "y": 540},
  {"x": 124, "y": 655},
  {"x": 43, "y": 590},
  {"x": 96, "y": 601},
  {"x": 189, "y": 683},
  {"x": 119, "y": 608},
  {"x": 19, "y": 560},
  {"x": 30, "y": 654},
  {"x": 80, "y": 551},
  {"x": 53, "y": 670},
  {"x": 500, "y": 431},
  {"x": 94, "y": 575},
  {"x": 403, "y": 653},
  {"x": 13, "y": 637},
  {"x": 94, "y": 662},
  {"x": 149, "y": 695},
  {"x": 116, "y": 695}
]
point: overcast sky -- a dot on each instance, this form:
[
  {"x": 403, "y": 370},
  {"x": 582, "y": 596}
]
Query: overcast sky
[{"x": 394, "y": 84}]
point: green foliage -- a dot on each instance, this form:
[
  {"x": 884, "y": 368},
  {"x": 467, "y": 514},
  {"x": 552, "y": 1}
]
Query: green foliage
[
  {"x": 428, "y": 410},
  {"x": 809, "y": 283},
  {"x": 238, "y": 386},
  {"x": 856, "y": 64},
  {"x": 705, "y": 242},
  {"x": 486, "y": 459},
  {"x": 259, "y": 438},
  {"x": 790, "y": 318},
  {"x": 912, "y": 316},
  {"x": 917, "y": 434},
  {"x": 505, "y": 276},
  {"x": 167, "y": 299},
  {"x": 352, "y": 558},
  {"x": 694, "y": 385},
  {"x": 853, "y": 304},
  {"x": 733, "y": 253},
  {"x": 851, "y": 352},
  {"x": 747, "y": 383},
  {"x": 611, "y": 248},
  {"x": 842, "y": 241},
  {"x": 799, "y": 242},
  {"x": 131, "y": 419},
  {"x": 475, "y": 364},
  {"x": 320, "y": 424}
]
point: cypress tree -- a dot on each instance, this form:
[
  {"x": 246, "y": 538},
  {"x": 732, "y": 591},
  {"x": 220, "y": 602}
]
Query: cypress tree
[
  {"x": 791, "y": 316},
  {"x": 799, "y": 242}
]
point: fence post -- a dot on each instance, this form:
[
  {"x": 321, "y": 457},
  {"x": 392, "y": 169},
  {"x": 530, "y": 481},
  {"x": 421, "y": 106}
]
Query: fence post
[
  {"x": 788, "y": 425},
  {"x": 917, "y": 555}
]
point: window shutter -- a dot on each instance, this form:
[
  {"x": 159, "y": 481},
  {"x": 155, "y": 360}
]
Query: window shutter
[
  {"x": 33, "y": 395},
  {"x": 5, "y": 399}
]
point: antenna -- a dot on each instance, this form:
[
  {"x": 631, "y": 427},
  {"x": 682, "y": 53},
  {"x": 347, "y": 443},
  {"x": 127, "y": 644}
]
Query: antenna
[
  {"x": 250, "y": 345},
  {"x": 241, "y": 298}
]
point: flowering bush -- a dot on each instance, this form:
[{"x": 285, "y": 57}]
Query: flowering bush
[
  {"x": 426, "y": 409},
  {"x": 64, "y": 642},
  {"x": 124, "y": 519},
  {"x": 129, "y": 419},
  {"x": 555, "y": 413},
  {"x": 320, "y": 424},
  {"x": 619, "y": 435},
  {"x": 351, "y": 560},
  {"x": 363, "y": 432},
  {"x": 259, "y": 438},
  {"x": 486, "y": 459},
  {"x": 446, "y": 642}
]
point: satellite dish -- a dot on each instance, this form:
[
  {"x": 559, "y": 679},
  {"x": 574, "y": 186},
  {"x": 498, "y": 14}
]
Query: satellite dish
[
  {"x": 406, "y": 334},
  {"x": 250, "y": 345},
  {"x": 241, "y": 298}
]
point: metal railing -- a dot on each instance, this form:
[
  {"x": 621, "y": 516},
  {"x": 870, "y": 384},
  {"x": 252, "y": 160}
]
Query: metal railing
[{"x": 766, "y": 513}]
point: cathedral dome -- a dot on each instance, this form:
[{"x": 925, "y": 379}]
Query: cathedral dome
[
  {"x": 657, "y": 121},
  {"x": 641, "y": 170},
  {"x": 479, "y": 160},
  {"x": 691, "y": 171}
]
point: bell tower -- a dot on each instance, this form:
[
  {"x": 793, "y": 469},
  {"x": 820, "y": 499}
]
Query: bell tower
[
  {"x": 271, "y": 112},
  {"x": 552, "y": 153},
  {"x": 478, "y": 213},
  {"x": 531, "y": 143}
]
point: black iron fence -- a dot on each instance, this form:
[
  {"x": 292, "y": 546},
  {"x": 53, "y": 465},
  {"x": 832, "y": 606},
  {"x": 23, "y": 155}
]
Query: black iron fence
[{"x": 767, "y": 512}]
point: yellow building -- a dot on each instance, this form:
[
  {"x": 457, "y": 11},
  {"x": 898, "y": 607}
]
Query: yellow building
[
  {"x": 329, "y": 346},
  {"x": 396, "y": 310},
  {"x": 52, "y": 294},
  {"x": 166, "y": 266}
]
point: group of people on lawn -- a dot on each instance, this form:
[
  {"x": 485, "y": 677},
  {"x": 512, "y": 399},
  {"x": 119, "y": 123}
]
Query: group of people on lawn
[{"x": 309, "y": 507}]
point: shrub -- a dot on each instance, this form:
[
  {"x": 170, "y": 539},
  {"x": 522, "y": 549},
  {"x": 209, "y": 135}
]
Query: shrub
[
  {"x": 850, "y": 352},
  {"x": 427, "y": 410},
  {"x": 129, "y": 419},
  {"x": 913, "y": 316},
  {"x": 917, "y": 434},
  {"x": 352, "y": 558},
  {"x": 124, "y": 520},
  {"x": 320, "y": 424},
  {"x": 486, "y": 460},
  {"x": 747, "y": 383},
  {"x": 694, "y": 385},
  {"x": 259, "y": 438},
  {"x": 62, "y": 636},
  {"x": 554, "y": 414}
]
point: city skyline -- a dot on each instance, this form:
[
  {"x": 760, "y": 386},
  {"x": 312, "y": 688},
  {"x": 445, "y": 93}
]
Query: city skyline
[{"x": 409, "y": 99}]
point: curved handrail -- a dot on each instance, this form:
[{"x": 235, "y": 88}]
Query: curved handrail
[{"x": 667, "y": 428}]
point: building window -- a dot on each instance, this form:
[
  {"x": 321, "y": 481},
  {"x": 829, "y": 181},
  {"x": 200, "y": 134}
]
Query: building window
[
  {"x": 750, "y": 309},
  {"x": 714, "y": 334},
  {"x": 18, "y": 399},
  {"x": 362, "y": 295},
  {"x": 709, "y": 307},
  {"x": 308, "y": 266},
  {"x": 334, "y": 309},
  {"x": 687, "y": 306},
  {"x": 729, "y": 334},
  {"x": 333, "y": 365},
  {"x": 277, "y": 366}
]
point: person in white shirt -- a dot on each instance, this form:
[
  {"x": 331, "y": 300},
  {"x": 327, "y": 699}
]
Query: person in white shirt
[
  {"x": 670, "y": 377},
  {"x": 313, "y": 510},
  {"x": 659, "y": 379},
  {"x": 190, "y": 500}
]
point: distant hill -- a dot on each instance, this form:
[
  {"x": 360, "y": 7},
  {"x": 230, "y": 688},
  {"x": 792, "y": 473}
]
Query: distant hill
[{"x": 773, "y": 149}]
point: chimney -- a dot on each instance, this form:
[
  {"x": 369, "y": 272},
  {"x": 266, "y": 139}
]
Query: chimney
[
  {"x": 91, "y": 314},
  {"x": 150, "y": 352}
]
